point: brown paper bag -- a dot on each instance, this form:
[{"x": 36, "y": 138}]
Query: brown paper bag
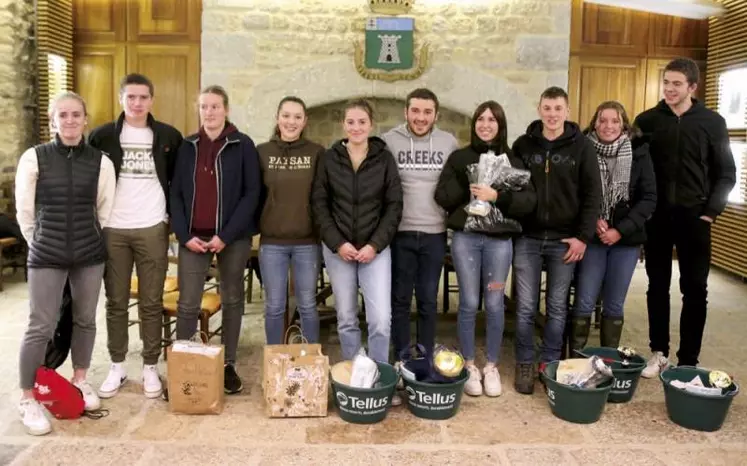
[
  {"x": 295, "y": 380},
  {"x": 195, "y": 377}
]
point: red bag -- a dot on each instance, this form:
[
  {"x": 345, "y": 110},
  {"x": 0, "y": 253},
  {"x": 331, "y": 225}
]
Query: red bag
[{"x": 63, "y": 399}]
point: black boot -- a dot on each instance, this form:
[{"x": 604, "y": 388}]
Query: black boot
[
  {"x": 579, "y": 333},
  {"x": 611, "y": 331}
]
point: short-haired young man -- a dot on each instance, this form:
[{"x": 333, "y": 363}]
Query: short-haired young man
[
  {"x": 143, "y": 151},
  {"x": 565, "y": 173},
  {"x": 694, "y": 166},
  {"x": 419, "y": 247}
]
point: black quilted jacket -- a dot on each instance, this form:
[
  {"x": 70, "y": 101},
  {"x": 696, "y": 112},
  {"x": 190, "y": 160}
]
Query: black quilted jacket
[{"x": 363, "y": 207}]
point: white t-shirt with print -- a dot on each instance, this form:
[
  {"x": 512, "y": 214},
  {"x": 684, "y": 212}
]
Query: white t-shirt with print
[{"x": 139, "y": 201}]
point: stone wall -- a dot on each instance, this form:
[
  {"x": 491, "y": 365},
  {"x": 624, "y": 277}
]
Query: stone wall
[
  {"x": 262, "y": 50},
  {"x": 16, "y": 93},
  {"x": 325, "y": 121}
]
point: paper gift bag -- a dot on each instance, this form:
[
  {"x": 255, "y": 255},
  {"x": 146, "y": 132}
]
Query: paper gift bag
[
  {"x": 295, "y": 380},
  {"x": 195, "y": 378}
]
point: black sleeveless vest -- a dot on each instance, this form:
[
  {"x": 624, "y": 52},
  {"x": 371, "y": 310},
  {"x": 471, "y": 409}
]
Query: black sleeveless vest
[{"x": 67, "y": 233}]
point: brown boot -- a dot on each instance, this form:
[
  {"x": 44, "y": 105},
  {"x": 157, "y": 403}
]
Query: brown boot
[{"x": 611, "y": 331}]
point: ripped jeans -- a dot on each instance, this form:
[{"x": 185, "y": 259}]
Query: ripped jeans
[{"x": 481, "y": 261}]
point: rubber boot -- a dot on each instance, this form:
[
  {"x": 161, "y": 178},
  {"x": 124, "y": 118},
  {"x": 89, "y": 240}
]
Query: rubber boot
[
  {"x": 611, "y": 331},
  {"x": 579, "y": 333}
]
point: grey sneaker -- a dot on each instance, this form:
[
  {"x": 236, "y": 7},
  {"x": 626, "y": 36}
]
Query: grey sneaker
[{"x": 396, "y": 399}]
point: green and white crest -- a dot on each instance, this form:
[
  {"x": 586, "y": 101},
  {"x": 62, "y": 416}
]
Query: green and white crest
[{"x": 389, "y": 43}]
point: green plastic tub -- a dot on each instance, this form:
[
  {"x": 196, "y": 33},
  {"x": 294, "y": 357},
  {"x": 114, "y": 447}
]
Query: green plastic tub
[
  {"x": 580, "y": 406},
  {"x": 366, "y": 405},
  {"x": 626, "y": 378},
  {"x": 693, "y": 410},
  {"x": 435, "y": 401}
]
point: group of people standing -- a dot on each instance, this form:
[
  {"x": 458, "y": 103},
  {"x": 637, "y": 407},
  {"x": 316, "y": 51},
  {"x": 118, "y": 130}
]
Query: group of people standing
[{"x": 375, "y": 211}]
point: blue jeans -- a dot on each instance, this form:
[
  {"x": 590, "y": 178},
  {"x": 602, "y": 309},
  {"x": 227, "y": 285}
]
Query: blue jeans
[
  {"x": 607, "y": 269},
  {"x": 417, "y": 261},
  {"x": 274, "y": 262},
  {"x": 530, "y": 254},
  {"x": 481, "y": 259},
  {"x": 375, "y": 280}
]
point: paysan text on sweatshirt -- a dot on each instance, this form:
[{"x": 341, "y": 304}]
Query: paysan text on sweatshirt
[{"x": 420, "y": 161}]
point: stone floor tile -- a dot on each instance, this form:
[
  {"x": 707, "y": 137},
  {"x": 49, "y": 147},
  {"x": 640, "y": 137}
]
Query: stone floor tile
[
  {"x": 640, "y": 423},
  {"x": 537, "y": 456},
  {"x": 399, "y": 427},
  {"x": 590, "y": 456},
  {"x": 59, "y": 453}
]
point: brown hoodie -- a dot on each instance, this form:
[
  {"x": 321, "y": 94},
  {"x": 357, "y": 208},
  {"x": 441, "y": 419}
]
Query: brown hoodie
[{"x": 288, "y": 173}]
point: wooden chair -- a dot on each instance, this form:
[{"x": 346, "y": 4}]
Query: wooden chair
[{"x": 210, "y": 306}]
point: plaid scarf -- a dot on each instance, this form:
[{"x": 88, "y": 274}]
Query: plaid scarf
[{"x": 614, "y": 182}]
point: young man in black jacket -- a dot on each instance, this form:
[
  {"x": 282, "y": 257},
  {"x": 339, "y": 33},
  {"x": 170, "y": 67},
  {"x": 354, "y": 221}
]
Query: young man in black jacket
[
  {"x": 695, "y": 172},
  {"x": 143, "y": 151},
  {"x": 565, "y": 174}
]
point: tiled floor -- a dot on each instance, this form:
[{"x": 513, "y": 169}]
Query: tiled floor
[{"x": 512, "y": 429}]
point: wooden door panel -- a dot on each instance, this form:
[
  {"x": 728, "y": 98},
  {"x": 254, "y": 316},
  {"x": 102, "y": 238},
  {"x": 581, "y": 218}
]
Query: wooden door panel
[
  {"x": 597, "y": 79},
  {"x": 164, "y": 20},
  {"x": 98, "y": 70},
  {"x": 673, "y": 36},
  {"x": 603, "y": 30},
  {"x": 99, "y": 21},
  {"x": 654, "y": 78},
  {"x": 175, "y": 72}
]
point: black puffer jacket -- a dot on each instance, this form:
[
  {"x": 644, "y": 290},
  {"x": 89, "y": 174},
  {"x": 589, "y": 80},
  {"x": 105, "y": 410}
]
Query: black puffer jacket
[
  {"x": 452, "y": 192},
  {"x": 363, "y": 207},
  {"x": 67, "y": 233},
  {"x": 629, "y": 217}
]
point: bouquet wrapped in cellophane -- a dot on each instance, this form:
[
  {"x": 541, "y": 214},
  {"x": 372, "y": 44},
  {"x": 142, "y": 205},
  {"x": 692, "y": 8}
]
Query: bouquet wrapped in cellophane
[{"x": 496, "y": 172}]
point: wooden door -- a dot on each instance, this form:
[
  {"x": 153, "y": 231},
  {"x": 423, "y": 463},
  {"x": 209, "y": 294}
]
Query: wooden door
[
  {"x": 158, "y": 38},
  {"x": 172, "y": 70},
  {"x": 672, "y": 36},
  {"x": 98, "y": 70},
  {"x": 597, "y": 79},
  {"x": 604, "y": 30}
]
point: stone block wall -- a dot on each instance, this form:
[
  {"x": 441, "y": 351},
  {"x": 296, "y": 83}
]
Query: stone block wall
[
  {"x": 16, "y": 117},
  {"x": 325, "y": 121},
  {"x": 262, "y": 50}
]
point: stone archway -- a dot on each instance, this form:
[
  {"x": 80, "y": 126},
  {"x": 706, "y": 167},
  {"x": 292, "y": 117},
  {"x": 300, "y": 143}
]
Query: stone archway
[
  {"x": 325, "y": 125},
  {"x": 459, "y": 89}
]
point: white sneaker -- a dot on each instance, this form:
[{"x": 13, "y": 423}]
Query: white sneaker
[
  {"x": 473, "y": 387},
  {"x": 152, "y": 386},
  {"x": 655, "y": 364},
  {"x": 492, "y": 380},
  {"x": 90, "y": 398},
  {"x": 396, "y": 399},
  {"x": 113, "y": 381},
  {"x": 33, "y": 418}
]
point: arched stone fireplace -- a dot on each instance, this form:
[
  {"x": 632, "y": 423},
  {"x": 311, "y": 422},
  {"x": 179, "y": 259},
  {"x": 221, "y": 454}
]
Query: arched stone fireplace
[{"x": 325, "y": 121}]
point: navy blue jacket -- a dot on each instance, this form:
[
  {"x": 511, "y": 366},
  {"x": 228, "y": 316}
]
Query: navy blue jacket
[{"x": 239, "y": 187}]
